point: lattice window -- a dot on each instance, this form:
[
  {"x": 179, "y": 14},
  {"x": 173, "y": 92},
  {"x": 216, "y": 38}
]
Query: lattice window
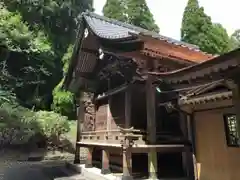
[{"x": 231, "y": 130}]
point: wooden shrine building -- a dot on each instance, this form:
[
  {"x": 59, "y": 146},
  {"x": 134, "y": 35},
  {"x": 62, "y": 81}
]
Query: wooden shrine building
[{"x": 153, "y": 107}]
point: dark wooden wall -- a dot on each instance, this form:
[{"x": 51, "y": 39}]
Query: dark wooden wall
[
  {"x": 101, "y": 115},
  {"x": 139, "y": 109},
  {"x": 117, "y": 110}
]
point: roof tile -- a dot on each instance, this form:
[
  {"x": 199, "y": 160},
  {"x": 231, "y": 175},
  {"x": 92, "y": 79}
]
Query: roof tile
[{"x": 112, "y": 29}]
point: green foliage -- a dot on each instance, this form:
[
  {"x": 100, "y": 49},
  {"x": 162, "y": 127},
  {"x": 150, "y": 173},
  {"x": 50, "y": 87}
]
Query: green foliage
[
  {"x": 52, "y": 124},
  {"x": 140, "y": 15},
  {"x": 66, "y": 58},
  {"x": 135, "y": 12},
  {"x": 198, "y": 29},
  {"x": 32, "y": 51},
  {"x": 56, "y": 17},
  {"x": 7, "y": 97},
  {"x": 220, "y": 41},
  {"x": 36, "y": 34},
  {"x": 115, "y": 9},
  {"x": 235, "y": 39},
  {"x": 63, "y": 101},
  {"x": 17, "y": 124},
  {"x": 16, "y": 36}
]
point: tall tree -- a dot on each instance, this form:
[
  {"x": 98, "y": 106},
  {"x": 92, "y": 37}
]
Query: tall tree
[
  {"x": 198, "y": 29},
  {"x": 135, "y": 12},
  {"x": 219, "y": 39},
  {"x": 139, "y": 14},
  {"x": 57, "y": 18},
  {"x": 33, "y": 53},
  {"x": 115, "y": 9}
]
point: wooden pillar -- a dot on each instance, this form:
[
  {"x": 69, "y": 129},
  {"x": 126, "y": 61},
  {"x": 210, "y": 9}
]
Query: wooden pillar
[
  {"x": 151, "y": 127},
  {"x": 183, "y": 125},
  {"x": 188, "y": 163},
  {"x": 126, "y": 148},
  {"x": 188, "y": 154},
  {"x": 88, "y": 163},
  {"x": 152, "y": 164},
  {"x": 105, "y": 162},
  {"x": 80, "y": 119},
  {"x": 109, "y": 115},
  {"x": 128, "y": 107},
  {"x": 127, "y": 164}
]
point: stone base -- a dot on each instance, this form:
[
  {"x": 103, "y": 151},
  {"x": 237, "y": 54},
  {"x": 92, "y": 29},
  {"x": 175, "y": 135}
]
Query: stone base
[
  {"x": 88, "y": 165},
  {"x": 95, "y": 173},
  {"x": 91, "y": 173},
  {"x": 127, "y": 178},
  {"x": 105, "y": 171}
]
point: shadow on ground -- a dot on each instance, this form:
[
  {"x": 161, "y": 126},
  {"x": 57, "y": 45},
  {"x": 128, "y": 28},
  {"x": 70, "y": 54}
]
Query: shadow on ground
[{"x": 36, "y": 171}]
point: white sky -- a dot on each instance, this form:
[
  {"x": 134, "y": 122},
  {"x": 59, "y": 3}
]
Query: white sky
[{"x": 168, "y": 13}]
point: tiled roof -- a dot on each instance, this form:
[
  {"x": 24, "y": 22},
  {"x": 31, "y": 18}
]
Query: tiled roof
[
  {"x": 112, "y": 29},
  {"x": 221, "y": 64},
  {"x": 217, "y": 90}
]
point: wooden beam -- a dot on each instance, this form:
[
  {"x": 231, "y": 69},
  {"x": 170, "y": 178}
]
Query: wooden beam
[{"x": 113, "y": 92}]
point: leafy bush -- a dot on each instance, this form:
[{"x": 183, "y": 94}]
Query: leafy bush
[
  {"x": 52, "y": 125},
  {"x": 7, "y": 97},
  {"x": 17, "y": 124}
]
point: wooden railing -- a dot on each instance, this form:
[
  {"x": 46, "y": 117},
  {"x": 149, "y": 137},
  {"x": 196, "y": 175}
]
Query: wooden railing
[
  {"x": 116, "y": 136},
  {"x": 139, "y": 137}
]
